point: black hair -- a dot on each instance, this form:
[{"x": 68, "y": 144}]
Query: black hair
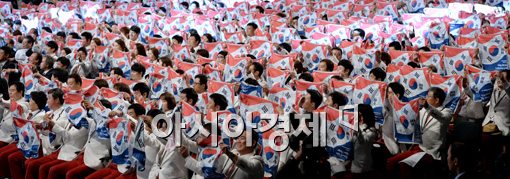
[
  {"x": 338, "y": 98},
  {"x": 74, "y": 35},
  {"x": 251, "y": 81},
  {"x": 57, "y": 93},
  {"x": 67, "y": 50},
  {"x": 398, "y": 89},
  {"x": 210, "y": 38},
  {"x": 76, "y": 77},
  {"x": 47, "y": 29},
  {"x": 20, "y": 87},
  {"x": 203, "y": 52},
  {"x": 154, "y": 112},
  {"x": 39, "y": 98},
  {"x": 138, "y": 108},
  {"x": 224, "y": 53},
  {"x": 379, "y": 73},
  {"x": 260, "y": 9},
  {"x": 135, "y": 29},
  {"x": 219, "y": 100},
  {"x": 190, "y": 94},
  {"x": 361, "y": 33},
  {"x": 141, "y": 49},
  {"x": 315, "y": 96},
  {"x": 367, "y": 112},
  {"x": 87, "y": 35},
  {"x": 439, "y": 94},
  {"x": 347, "y": 65},
  {"x": 178, "y": 38},
  {"x": 203, "y": 79},
  {"x": 118, "y": 71},
  {"x": 142, "y": 88},
  {"x": 424, "y": 48},
  {"x": 306, "y": 76},
  {"x": 65, "y": 62},
  {"x": 83, "y": 49},
  {"x": 61, "y": 34},
  {"x": 258, "y": 67},
  {"x": 286, "y": 46},
  {"x": 197, "y": 37},
  {"x": 52, "y": 45},
  {"x": 60, "y": 74},
  {"x": 101, "y": 83},
  {"x": 396, "y": 45},
  {"x": 255, "y": 26},
  {"x": 106, "y": 103},
  {"x": 30, "y": 39},
  {"x": 329, "y": 64},
  {"x": 413, "y": 64},
  {"x": 137, "y": 67}
]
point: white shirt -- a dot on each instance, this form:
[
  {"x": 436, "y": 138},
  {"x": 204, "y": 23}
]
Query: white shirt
[
  {"x": 7, "y": 128},
  {"x": 74, "y": 140},
  {"x": 434, "y": 123},
  {"x": 96, "y": 149},
  {"x": 52, "y": 141}
]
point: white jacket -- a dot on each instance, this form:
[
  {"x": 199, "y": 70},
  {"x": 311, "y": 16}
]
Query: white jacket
[
  {"x": 52, "y": 141},
  {"x": 96, "y": 150},
  {"x": 169, "y": 163},
  {"x": 74, "y": 140},
  {"x": 7, "y": 128},
  {"x": 433, "y": 129}
]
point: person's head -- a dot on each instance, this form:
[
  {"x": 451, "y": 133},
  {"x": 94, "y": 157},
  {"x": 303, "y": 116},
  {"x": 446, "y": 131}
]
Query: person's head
[
  {"x": 396, "y": 89},
  {"x": 51, "y": 47},
  {"x": 336, "y": 99},
  {"x": 203, "y": 53},
  {"x": 124, "y": 31},
  {"x": 395, "y": 45},
  {"x": 74, "y": 82},
  {"x": 177, "y": 39},
  {"x": 116, "y": 72},
  {"x": 242, "y": 145},
  {"x": 436, "y": 97},
  {"x": 189, "y": 95},
  {"x": 358, "y": 34},
  {"x": 337, "y": 53},
  {"x": 260, "y": 9},
  {"x": 326, "y": 65},
  {"x": 101, "y": 83},
  {"x": 136, "y": 110},
  {"x": 16, "y": 90},
  {"x": 86, "y": 38},
  {"x": 503, "y": 78},
  {"x": 47, "y": 63},
  {"x": 153, "y": 54},
  {"x": 27, "y": 42},
  {"x": 55, "y": 98},
  {"x": 208, "y": 38},
  {"x": 345, "y": 68},
  {"x": 61, "y": 36},
  {"x": 222, "y": 56},
  {"x": 122, "y": 87},
  {"x": 82, "y": 54},
  {"x": 200, "y": 83},
  {"x": 96, "y": 42},
  {"x": 4, "y": 53},
  {"x": 377, "y": 74},
  {"x": 194, "y": 40},
  {"x": 385, "y": 58},
  {"x": 140, "y": 50},
  {"x": 35, "y": 59},
  {"x": 284, "y": 48},
  {"x": 167, "y": 101},
  {"x": 63, "y": 62},
  {"x": 256, "y": 69},
  {"x": 120, "y": 45},
  {"x": 137, "y": 72},
  {"x": 151, "y": 114},
  {"x": 250, "y": 29},
  {"x": 141, "y": 89},
  {"x": 432, "y": 68},
  {"x": 134, "y": 33},
  {"x": 37, "y": 100},
  {"x": 366, "y": 115},
  {"x": 217, "y": 102},
  {"x": 59, "y": 74},
  {"x": 312, "y": 100},
  {"x": 306, "y": 76},
  {"x": 424, "y": 49}
]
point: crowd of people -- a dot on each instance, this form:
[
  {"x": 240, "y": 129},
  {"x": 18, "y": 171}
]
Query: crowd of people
[{"x": 84, "y": 86}]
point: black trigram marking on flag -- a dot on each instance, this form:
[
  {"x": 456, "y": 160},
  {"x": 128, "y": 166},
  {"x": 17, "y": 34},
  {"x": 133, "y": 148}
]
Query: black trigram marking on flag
[
  {"x": 287, "y": 95},
  {"x": 265, "y": 109},
  {"x": 332, "y": 127},
  {"x": 371, "y": 90},
  {"x": 333, "y": 140}
]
